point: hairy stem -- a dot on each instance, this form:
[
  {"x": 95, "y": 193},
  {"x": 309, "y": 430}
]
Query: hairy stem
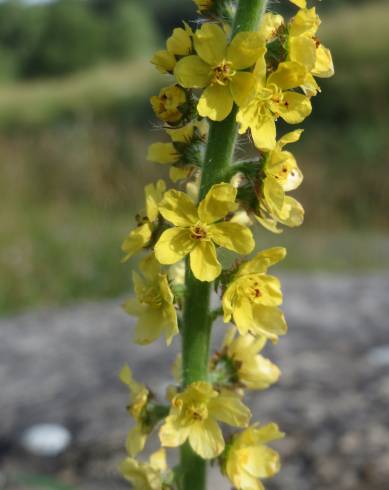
[{"x": 196, "y": 330}]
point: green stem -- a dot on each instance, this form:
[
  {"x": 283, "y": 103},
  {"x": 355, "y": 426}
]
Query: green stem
[{"x": 196, "y": 330}]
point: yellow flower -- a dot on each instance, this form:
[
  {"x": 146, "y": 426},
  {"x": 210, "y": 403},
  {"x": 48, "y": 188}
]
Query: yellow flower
[
  {"x": 139, "y": 397},
  {"x": 217, "y": 68},
  {"x": 145, "y": 476},
  {"x": 167, "y": 104},
  {"x": 197, "y": 231},
  {"x": 252, "y": 370},
  {"x": 282, "y": 174},
  {"x": 307, "y": 50},
  {"x": 252, "y": 298},
  {"x": 248, "y": 458},
  {"x": 140, "y": 236},
  {"x": 194, "y": 414},
  {"x": 154, "y": 304},
  {"x": 178, "y": 44},
  {"x": 271, "y": 99}
]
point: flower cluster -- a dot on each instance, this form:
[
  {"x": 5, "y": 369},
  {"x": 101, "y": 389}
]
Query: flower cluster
[{"x": 255, "y": 78}]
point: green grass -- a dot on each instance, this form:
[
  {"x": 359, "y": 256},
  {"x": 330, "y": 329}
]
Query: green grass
[
  {"x": 59, "y": 254},
  {"x": 98, "y": 92}
]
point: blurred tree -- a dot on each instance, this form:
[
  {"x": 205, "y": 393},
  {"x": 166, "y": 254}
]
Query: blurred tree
[
  {"x": 131, "y": 31},
  {"x": 73, "y": 38},
  {"x": 68, "y": 35}
]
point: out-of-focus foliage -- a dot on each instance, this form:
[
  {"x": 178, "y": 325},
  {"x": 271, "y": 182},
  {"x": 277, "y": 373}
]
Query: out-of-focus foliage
[{"x": 69, "y": 35}]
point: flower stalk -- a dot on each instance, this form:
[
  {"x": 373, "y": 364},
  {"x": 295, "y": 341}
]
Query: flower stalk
[
  {"x": 228, "y": 79},
  {"x": 196, "y": 331}
]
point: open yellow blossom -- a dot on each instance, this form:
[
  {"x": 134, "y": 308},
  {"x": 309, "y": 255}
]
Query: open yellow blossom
[
  {"x": 194, "y": 415},
  {"x": 249, "y": 459},
  {"x": 218, "y": 69},
  {"x": 252, "y": 298},
  {"x": 306, "y": 49},
  {"x": 197, "y": 231},
  {"x": 273, "y": 98},
  {"x": 282, "y": 174},
  {"x": 145, "y": 476},
  {"x": 139, "y": 397},
  {"x": 140, "y": 237},
  {"x": 254, "y": 371},
  {"x": 154, "y": 304},
  {"x": 167, "y": 104},
  {"x": 178, "y": 44}
]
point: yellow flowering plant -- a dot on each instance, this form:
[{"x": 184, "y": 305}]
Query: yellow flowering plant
[{"x": 237, "y": 72}]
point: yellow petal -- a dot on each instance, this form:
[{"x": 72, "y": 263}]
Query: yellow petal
[
  {"x": 245, "y": 49},
  {"x": 228, "y": 408},
  {"x": 233, "y": 236},
  {"x": 192, "y": 72},
  {"x": 133, "y": 307},
  {"x": 153, "y": 195},
  {"x": 269, "y": 223},
  {"x": 215, "y": 102},
  {"x": 210, "y": 42},
  {"x": 243, "y": 315},
  {"x": 206, "y": 439},
  {"x": 289, "y": 74},
  {"x": 296, "y": 108},
  {"x": 172, "y": 434},
  {"x": 164, "y": 61},
  {"x": 303, "y": 50},
  {"x": 178, "y": 208},
  {"x": 263, "y": 462},
  {"x": 125, "y": 375},
  {"x": 300, "y": 3},
  {"x": 203, "y": 261},
  {"x": 158, "y": 460},
  {"x": 268, "y": 433},
  {"x": 288, "y": 138},
  {"x": 135, "y": 441},
  {"x": 262, "y": 261},
  {"x": 306, "y": 22},
  {"x": 137, "y": 239},
  {"x": 163, "y": 153},
  {"x": 268, "y": 321},
  {"x": 219, "y": 201},
  {"x": 173, "y": 245},
  {"x": 264, "y": 134},
  {"x": 260, "y": 70},
  {"x": 310, "y": 86},
  {"x": 179, "y": 173},
  {"x": 180, "y": 42},
  {"x": 324, "y": 67},
  {"x": 274, "y": 194},
  {"x": 242, "y": 87},
  {"x": 149, "y": 326},
  {"x": 294, "y": 214}
]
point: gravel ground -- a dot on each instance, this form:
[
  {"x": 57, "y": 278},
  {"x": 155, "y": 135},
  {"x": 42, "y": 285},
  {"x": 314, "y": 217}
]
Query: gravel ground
[{"x": 333, "y": 398}]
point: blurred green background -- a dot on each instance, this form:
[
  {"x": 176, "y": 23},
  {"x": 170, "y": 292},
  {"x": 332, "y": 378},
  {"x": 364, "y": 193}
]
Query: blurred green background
[{"x": 75, "y": 123}]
